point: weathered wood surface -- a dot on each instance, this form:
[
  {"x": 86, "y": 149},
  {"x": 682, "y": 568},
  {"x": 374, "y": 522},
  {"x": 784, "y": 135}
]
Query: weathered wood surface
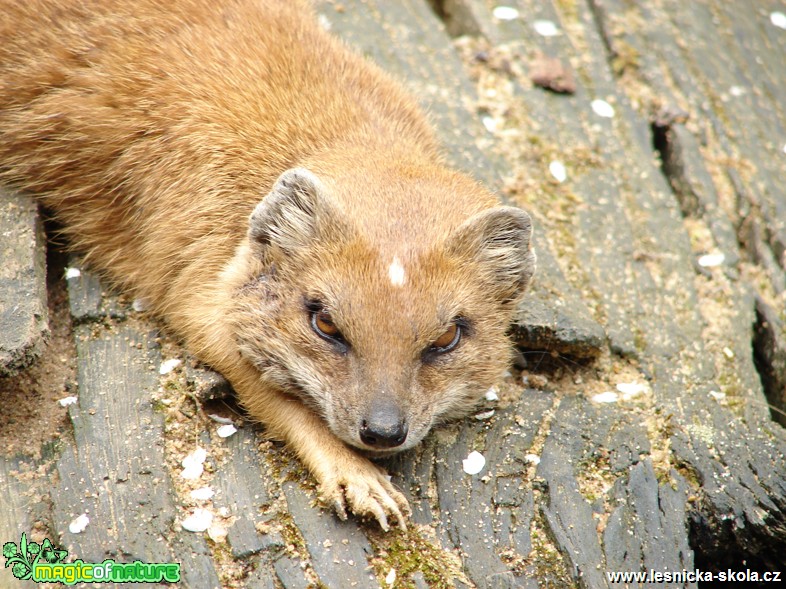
[
  {"x": 688, "y": 472},
  {"x": 23, "y": 311}
]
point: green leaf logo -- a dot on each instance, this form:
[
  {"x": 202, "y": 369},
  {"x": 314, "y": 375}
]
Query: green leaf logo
[
  {"x": 22, "y": 559},
  {"x": 9, "y": 549}
]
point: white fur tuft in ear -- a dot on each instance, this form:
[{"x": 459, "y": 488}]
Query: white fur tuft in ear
[
  {"x": 288, "y": 216},
  {"x": 497, "y": 240}
]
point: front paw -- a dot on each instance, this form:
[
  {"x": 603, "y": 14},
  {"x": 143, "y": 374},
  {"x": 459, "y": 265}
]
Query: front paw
[{"x": 365, "y": 490}]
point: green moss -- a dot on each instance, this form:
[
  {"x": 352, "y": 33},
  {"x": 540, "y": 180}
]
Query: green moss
[
  {"x": 729, "y": 383},
  {"x": 230, "y": 570},
  {"x": 175, "y": 386},
  {"x": 639, "y": 339},
  {"x": 550, "y": 567},
  {"x": 411, "y": 551},
  {"x": 159, "y": 406},
  {"x": 690, "y": 474},
  {"x": 568, "y": 10},
  {"x": 291, "y": 535},
  {"x": 51, "y": 449},
  {"x": 626, "y": 58},
  {"x": 534, "y": 140},
  {"x": 286, "y": 467},
  {"x": 718, "y": 108}
]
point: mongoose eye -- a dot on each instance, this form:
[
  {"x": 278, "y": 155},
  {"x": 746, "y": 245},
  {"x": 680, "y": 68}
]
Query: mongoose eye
[
  {"x": 323, "y": 324},
  {"x": 448, "y": 340}
]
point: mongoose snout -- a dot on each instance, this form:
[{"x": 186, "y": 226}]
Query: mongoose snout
[{"x": 385, "y": 426}]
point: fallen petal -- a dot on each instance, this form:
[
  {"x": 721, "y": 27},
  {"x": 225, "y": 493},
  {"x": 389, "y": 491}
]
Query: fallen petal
[
  {"x": 602, "y": 108},
  {"x": 78, "y": 525},
  {"x": 474, "y": 463},
  {"x": 607, "y": 397},
  {"x": 505, "y": 13},
  {"x": 199, "y": 521}
]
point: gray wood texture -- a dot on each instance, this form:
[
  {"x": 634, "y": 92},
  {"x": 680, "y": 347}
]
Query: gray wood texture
[{"x": 23, "y": 309}]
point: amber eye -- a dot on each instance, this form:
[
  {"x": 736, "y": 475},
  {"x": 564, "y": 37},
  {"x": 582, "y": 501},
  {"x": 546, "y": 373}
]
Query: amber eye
[
  {"x": 448, "y": 340},
  {"x": 323, "y": 324}
]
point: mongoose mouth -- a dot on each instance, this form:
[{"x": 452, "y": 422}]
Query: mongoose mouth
[
  {"x": 376, "y": 451},
  {"x": 381, "y": 454}
]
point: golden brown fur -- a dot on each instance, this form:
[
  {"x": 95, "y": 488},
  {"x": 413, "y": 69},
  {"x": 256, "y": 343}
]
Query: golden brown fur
[{"x": 153, "y": 129}]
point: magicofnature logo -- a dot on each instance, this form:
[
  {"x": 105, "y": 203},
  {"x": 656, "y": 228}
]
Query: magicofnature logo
[{"x": 43, "y": 563}]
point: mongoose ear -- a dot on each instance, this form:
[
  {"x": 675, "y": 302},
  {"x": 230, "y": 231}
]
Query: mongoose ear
[
  {"x": 290, "y": 215},
  {"x": 497, "y": 240}
]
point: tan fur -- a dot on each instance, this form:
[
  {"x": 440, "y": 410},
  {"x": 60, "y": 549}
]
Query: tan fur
[{"x": 153, "y": 128}]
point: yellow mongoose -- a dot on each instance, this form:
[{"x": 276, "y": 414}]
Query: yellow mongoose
[{"x": 282, "y": 205}]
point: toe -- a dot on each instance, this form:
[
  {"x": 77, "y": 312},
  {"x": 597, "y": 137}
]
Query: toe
[{"x": 330, "y": 493}]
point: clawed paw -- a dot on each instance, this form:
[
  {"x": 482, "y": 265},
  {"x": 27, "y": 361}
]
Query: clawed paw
[{"x": 364, "y": 489}]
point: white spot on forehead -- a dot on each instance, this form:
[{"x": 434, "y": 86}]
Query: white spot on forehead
[{"x": 396, "y": 272}]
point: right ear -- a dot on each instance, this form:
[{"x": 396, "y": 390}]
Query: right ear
[
  {"x": 290, "y": 216},
  {"x": 498, "y": 240}
]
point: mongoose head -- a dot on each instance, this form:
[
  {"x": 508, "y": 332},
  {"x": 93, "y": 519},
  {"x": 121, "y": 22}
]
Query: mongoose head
[{"x": 383, "y": 326}]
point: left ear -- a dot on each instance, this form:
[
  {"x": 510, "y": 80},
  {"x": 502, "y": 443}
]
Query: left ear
[
  {"x": 497, "y": 240},
  {"x": 297, "y": 214}
]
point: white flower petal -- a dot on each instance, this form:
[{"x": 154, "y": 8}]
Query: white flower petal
[
  {"x": 168, "y": 366},
  {"x": 198, "y": 456},
  {"x": 557, "y": 169},
  {"x": 226, "y": 430},
  {"x": 199, "y": 521},
  {"x": 202, "y": 494},
  {"x": 474, "y": 463},
  {"x": 490, "y": 124},
  {"x": 631, "y": 389},
  {"x": 193, "y": 464},
  {"x": 546, "y": 28},
  {"x": 505, "y": 13},
  {"x": 193, "y": 471},
  {"x": 218, "y": 533},
  {"x": 607, "y": 397},
  {"x": 79, "y": 524},
  {"x": 711, "y": 260},
  {"x": 603, "y": 108}
]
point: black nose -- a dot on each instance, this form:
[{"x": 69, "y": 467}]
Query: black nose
[
  {"x": 384, "y": 426},
  {"x": 380, "y": 435}
]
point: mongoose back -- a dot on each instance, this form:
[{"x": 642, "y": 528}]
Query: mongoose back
[{"x": 282, "y": 205}]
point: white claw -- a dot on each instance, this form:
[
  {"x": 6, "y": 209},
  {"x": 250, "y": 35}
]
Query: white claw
[
  {"x": 338, "y": 505},
  {"x": 382, "y": 518}
]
